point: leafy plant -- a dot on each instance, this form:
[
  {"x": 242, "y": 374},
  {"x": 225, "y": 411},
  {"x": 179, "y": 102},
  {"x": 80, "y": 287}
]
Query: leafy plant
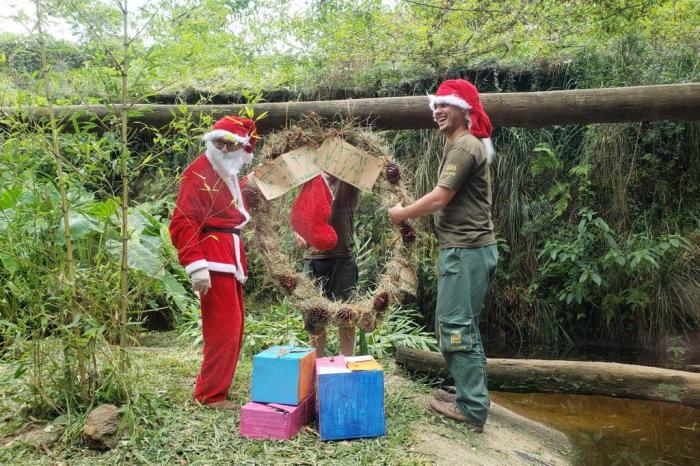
[{"x": 400, "y": 329}]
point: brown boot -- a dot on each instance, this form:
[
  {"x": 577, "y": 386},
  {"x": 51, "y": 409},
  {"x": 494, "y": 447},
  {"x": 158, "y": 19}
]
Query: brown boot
[
  {"x": 444, "y": 395},
  {"x": 450, "y": 410}
]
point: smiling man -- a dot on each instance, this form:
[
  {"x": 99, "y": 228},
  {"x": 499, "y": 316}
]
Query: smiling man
[{"x": 461, "y": 202}]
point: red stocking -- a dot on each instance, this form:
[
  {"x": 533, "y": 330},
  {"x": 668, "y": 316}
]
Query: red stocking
[{"x": 310, "y": 213}]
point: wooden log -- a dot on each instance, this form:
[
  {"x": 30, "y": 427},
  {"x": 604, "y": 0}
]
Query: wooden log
[
  {"x": 577, "y": 377},
  {"x": 519, "y": 109}
]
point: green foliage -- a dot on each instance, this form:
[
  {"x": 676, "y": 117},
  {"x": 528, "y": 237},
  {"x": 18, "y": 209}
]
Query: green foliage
[
  {"x": 400, "y": 329},
  {"x": 591, "y": 263},
  {"x": 281, "y": 324},
  {"x": 276, "y": 324},
  {"x": 321, "y": 48},
  {"x": 593, "y": 244}
]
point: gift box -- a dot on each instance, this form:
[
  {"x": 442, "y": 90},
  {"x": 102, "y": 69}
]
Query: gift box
[
  {"x": 350, "y": 397},
  {"x": 283, "y": 374},
  {"x": 274, "y": 420}
]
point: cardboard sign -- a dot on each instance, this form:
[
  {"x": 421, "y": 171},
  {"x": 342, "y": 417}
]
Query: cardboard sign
[
  {"x": 350, "y": 164},
  {"x": 300, "y": 163},
  {"x": 335, "y": 156},
  {"x": 276, "y": 177}
]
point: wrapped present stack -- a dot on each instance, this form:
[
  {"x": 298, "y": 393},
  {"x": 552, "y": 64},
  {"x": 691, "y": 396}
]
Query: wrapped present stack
[
  {"x": 282, "y": 394},
  {"x": 350, "y": 397}
]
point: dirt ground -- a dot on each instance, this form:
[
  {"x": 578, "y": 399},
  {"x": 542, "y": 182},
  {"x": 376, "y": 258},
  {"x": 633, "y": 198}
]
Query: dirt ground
[{"x": 508, "y": 439}]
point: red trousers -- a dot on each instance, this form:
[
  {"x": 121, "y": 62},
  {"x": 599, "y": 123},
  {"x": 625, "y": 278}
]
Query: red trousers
[{"x": 222, "y": 326}]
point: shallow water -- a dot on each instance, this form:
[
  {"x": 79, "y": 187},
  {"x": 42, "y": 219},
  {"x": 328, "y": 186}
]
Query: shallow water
[{"x": 612, "y": 431}]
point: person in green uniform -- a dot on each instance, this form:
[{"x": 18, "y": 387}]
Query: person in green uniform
[
  {"x": 336, "y": 268},
  {"x": 461, "y": 202}
]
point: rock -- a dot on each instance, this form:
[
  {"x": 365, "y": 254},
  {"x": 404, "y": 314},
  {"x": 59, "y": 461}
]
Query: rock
[
  {"x": 40, "y": 437},
  {"x": 100, "y": 429}
]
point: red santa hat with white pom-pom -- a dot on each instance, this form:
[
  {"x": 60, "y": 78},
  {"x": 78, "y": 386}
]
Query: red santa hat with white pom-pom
[
  {"x": 464, "y": 95},
  {"x": 235, "y": 128}
]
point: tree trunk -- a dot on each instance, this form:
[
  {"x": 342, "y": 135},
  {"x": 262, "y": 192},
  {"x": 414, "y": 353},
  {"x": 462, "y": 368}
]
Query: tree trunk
[
  {"x": 519, "y": 109},
  {"x": 65, "y": 213},
  {"x": 577, "y": 377},
  {"x": 124, "y": 158}
]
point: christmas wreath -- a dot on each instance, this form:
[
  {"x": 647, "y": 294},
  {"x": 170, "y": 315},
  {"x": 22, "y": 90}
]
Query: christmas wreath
[{"x": 398, "y": 280}]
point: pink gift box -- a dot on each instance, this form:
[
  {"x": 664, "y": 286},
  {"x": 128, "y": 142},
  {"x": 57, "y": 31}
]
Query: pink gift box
[{"x": 275, "y": 421}]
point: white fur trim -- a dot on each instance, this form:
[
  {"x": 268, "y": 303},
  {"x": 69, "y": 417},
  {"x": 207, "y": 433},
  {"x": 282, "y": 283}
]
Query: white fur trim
[
  {"x": 449, "y": 100},
  {"x": 240, "y": 276},
  {"x": 228, "y": 268},
  {"x": 221, "y": 133},
  {"x": 490, "y": 151},
  {"x": 221, "y": 267},
  {"x": 235, "y": 188},
  {"x": 196, "y": 265}
]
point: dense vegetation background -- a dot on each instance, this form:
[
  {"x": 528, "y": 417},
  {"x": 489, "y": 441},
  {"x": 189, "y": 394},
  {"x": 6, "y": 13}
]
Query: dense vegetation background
[{"x": 598, "y": 225}]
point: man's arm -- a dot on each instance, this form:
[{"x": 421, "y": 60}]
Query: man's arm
[{"x": 435, "y": 200}]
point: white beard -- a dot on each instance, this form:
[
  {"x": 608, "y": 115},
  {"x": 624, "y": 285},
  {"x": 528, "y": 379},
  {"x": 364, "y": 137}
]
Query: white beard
[{"x": 227, "y": 164}]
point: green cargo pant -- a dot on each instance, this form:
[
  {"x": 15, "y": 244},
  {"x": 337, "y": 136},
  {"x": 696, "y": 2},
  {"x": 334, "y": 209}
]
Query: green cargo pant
[{"x": 464, "y": 275}]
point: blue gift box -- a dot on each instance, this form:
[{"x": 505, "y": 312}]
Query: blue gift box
[
  {"x": 283, "y": 374},
  {"x": 350, "y": 398}
]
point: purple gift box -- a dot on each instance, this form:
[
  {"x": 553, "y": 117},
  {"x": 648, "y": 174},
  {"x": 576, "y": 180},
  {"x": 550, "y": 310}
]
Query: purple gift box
[{"x": 275, "y": 421}]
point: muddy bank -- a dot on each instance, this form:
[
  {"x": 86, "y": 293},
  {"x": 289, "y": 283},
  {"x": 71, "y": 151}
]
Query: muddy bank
[{"x": 508, "y": 438}]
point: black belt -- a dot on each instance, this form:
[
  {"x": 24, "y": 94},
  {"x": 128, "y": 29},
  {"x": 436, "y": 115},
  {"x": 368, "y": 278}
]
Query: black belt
[{"x": 235, "y": 231}]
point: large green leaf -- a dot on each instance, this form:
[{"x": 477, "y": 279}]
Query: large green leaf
[
  {"x": 9, "y": 197},
  {"x": 104, "y": 209},
  {"x": 176, "y": 291},
  {"x": 139, "y": 257},
  {"x": 9, "y": 263},
  {"x": 80, "y": 225}
]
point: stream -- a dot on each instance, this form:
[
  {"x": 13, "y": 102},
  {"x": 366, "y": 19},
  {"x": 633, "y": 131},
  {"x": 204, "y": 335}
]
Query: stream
[{"x": 614, "y": 431}]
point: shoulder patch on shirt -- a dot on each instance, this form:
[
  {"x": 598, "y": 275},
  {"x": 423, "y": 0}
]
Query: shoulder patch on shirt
[{"x": 450, "y": 169}]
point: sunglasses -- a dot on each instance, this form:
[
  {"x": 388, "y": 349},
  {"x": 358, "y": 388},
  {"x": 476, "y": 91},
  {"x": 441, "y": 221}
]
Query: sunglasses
[{"x": 230, "y": 145}]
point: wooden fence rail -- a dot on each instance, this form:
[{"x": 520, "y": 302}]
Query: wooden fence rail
[{"x": 520, "y": 109}]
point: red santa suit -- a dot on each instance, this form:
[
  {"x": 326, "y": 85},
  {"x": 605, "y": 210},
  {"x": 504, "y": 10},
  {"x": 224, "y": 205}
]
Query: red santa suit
[{"x": 205, "y": 229}]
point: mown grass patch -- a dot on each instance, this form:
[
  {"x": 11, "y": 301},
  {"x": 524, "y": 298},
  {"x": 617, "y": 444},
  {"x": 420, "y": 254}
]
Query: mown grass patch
[{"x": 171, "y": 429}]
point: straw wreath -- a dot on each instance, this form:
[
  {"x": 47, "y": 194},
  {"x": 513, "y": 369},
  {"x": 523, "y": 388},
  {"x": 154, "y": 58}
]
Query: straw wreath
[{"x": 398, "y": 280}]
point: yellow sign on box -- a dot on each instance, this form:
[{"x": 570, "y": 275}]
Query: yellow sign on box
[
  {"x": 350, "y": 164},
  {"x": 362, "y": 363}
]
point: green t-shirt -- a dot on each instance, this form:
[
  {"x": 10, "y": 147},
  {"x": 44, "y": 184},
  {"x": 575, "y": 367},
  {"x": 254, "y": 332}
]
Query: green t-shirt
[
  {"x": 465, "y": 222},
  {"x": 345, "y": 200}
]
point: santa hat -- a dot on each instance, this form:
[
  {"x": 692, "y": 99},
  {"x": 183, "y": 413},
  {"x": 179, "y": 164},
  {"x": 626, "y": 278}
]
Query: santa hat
[
  {"x": 463, "y": 94},
  {"x": 235, "y": 128}
]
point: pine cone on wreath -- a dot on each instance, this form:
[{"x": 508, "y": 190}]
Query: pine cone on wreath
[
  {"x": 315, "y": 319},
  {"x": 367, "y": 322},
  {"x": 346, "y": 317},
  {"x": 408, "y": 235},
  {"x": 393, "y": 173},
  {"x": 253, "y": 197},
  {"x": 289, "y": 283},
  {"x": 381, "y": 302}
]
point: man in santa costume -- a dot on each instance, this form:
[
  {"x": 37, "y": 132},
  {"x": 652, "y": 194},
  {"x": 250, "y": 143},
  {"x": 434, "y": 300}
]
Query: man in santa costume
[
  {"x": 461, "y": 202},
  {"x": 206, "y": 230}
]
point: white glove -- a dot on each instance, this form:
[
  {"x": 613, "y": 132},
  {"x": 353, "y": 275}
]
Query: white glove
[{"x": 201, "y": 281}]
